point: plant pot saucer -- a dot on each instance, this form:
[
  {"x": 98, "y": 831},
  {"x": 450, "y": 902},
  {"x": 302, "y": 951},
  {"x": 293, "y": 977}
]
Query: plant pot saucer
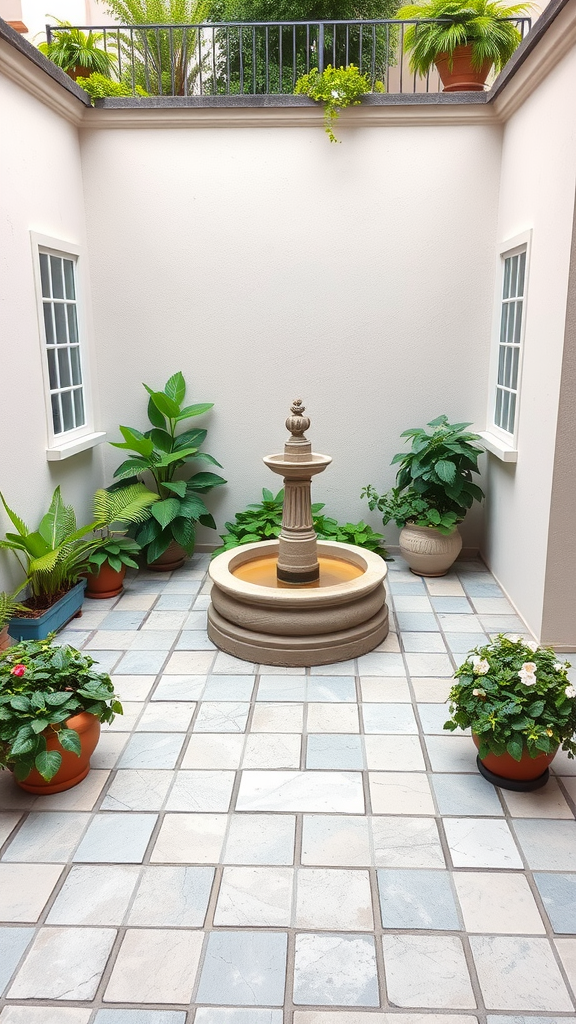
[{"x": 517, "y": 785}]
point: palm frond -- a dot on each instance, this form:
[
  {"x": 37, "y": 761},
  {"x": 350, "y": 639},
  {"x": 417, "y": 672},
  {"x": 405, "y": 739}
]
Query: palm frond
[{"x": 129, "y": 505}]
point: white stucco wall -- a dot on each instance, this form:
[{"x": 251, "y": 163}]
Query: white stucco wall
[
  {"x": 537, "y": 190},
  {"x": 268, "y": 264},
  {"x": 40, "y": 190}
]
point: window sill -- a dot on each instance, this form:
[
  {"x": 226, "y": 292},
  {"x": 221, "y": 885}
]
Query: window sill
[
  {"x": 494, "y": 445},
  {"x": 79, "y": 444}
]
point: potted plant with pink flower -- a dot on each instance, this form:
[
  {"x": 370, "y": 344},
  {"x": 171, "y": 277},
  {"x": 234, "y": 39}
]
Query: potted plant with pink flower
[{"x": 518, "y": 700}]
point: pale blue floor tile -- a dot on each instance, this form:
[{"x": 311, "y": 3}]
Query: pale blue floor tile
[
  {"x": 72, "y": 637},
  {"x": 13, "y": 942},
  {"x": 502, "y": 624},
  {"x": 381, "y": 663},
  {"x": 172, "y": 897},
  {"x": 339, "y": 668},
  {"x": 140, "y": 1017},
  {"x": 237, "y": 1015},
  {"x": 116, "y": 838},
  {"x": 558, "y": 892},
  {"x": 177, "y": 586},
  {"x": 194, "y": 640},
  {"x": 336, "y": 689},
  {"x": 465, "y": 794},
  {"x": 123, "y": 620},
  {"x": 244, "y": 969},
  {"x": 180, "y": 688},
  {"x": 141, "y": 663},
  {"x": 169, "y": 602},
  {"x": 521, "y": 1019},
  {"x": 433, "y": 716},
  {"x": 389, "y": 718},
  {"x": 153, "y": 639},
  {"x": 228, "y": 688},
  {"x": 409, "y": 588},
  {"x": 335, "y": 970},
  {"x": 283, "y": 688},
  {"x": 47, "y": 836},
  {"x": 104, "y": 661},
  {"x": 139, "y": 586},
  {"x": 461, "y": 643},
  {"x": 451, "y": 604},
  {"x": 481, "y": 588},
  {"x": 429, "y": 643},
  {"x": 417, "y": 621},
  {"x": 335, "y": 751},
  {"x": 417, "y": 899},
  {"x": 152, "y": 750}
]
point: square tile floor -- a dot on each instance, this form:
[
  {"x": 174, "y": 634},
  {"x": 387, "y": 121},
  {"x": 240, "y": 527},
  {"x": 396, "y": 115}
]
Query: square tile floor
[{"x": 257, "y": 845}]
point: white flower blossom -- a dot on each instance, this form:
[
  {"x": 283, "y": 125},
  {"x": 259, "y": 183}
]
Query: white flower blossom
[
  {"x": 514, "y": 638},
  {"x": 531, "y": 645},
  {"x": 478, "y": 693},
  {"x": 558, "y": 667},
  {"x": 528, "y": 673},
  {"x": 570, "y": 691},
  {"x": 480, "y": 667}
]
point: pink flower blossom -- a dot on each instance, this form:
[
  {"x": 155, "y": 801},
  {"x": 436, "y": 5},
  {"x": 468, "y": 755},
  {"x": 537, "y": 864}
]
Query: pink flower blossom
[{"x": 18, "y": 670}]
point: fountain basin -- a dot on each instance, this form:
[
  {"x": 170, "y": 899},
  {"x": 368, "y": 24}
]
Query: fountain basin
[{"x": 294, "y": 625}]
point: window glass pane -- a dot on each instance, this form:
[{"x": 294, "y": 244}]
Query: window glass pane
[
  {"x": 498, "y": 410},
  {"x": 56, "y": 417},
  {"x": 79, "y": 407},
  {"x": 511, "y": 311},
  {"x": 67, "y": 410},
  {"x": 69, "y": 279},
  {"x": 501, "y": 362},
  {"x": 75, "y": 362},
  {"x": 521, "y": 273},
  {"x": 506, "y": 291},
  {"x": 504, "y": 323},
  {"x": 48, "y": 324},
  {"x": 57, "y": 282},
  {"x": 64, "y": 367},
  {"x": 508, "y": 367},
  {"x": 505, "y": 406},
  {"x": 512, "y": 413},
  {"x": 60, "y": 318},
  {"x": 52, "y": 370},
  {"x": 517, "y": 322},
  {"x": 515, "y": 362},
  {"x": 45, "y": 275},
  {"x": 514, "y": 276},
  {"x": 72, "y": 324}
]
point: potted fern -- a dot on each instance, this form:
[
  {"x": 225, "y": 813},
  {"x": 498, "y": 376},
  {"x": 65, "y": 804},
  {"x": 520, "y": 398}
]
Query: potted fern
[
  {"x": 114, "y": 551},
  {"x": 77, "y": 53},
  {"x": 465, "y": 39}
]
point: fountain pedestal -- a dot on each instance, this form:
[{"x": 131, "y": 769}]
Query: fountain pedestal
[{"x": 297, "y": 601}]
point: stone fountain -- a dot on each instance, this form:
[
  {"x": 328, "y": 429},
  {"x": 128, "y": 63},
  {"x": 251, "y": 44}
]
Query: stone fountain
[{"x": 296, "y": 600}]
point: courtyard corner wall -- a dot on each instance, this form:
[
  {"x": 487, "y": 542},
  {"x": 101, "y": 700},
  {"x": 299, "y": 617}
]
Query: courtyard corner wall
[
  {"x": 268, "y": 264},
  {"x": 40, "y": 190},
  {"x": 537, "y": 192}
]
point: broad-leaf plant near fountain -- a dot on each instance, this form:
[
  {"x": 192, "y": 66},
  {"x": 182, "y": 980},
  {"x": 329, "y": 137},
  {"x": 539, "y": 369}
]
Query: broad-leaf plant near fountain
[
  {"x": 157, "y": 454},
  {"x": 434, "y": 490}
]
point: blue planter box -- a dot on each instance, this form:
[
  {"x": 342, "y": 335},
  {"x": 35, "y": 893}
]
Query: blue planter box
[{"x": 52, "y": 620}]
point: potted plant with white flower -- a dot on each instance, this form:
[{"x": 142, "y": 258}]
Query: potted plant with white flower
[{"x": 517, "y": 699}]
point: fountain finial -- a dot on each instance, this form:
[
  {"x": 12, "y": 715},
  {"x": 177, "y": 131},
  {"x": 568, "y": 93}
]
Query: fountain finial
[{"x": 297, "y": 448}]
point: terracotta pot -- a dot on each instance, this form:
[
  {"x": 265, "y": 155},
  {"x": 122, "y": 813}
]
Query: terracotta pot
[
  {"x": 5, "y": 638},
  {"x": 105, "y": 583},
  {"x": 427, "y": 551},
  {"x": 173, "y": 558},
  {"x": 78, "y": 71},
  {"x": 73, "y": 768},
  {"x": 526, "y": 769},
  {"x": 463, "y": 77}
]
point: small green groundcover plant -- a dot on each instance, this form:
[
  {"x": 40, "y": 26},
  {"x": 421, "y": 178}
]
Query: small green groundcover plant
[
  {"x": 434, "y": 485},
  {"x": 99, "y": 86},
  {"x": 336, "y": 88},
  {"x": 263, "y": 521},
  {"x": 41, "y": 686},
  {"x": 516, "y": 696}
]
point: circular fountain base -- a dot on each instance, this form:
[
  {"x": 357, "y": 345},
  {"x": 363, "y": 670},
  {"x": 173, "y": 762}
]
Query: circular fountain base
[{"x": 298, "y": 626}]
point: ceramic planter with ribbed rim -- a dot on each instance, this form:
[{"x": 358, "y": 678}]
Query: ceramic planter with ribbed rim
[{"x": 427, "y": 551}]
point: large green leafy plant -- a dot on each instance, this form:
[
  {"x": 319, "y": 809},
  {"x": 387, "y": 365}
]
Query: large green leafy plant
[
  {"x": 515, "y": 696},
  {"x": 114, "y": 512},
  {"x": 41, "y": 686},
  {"x": 263, "y": 521},
  {"x": 158, "y": 454},
  {"x": 434, "y": 484},
  {"x": 479, "y": 23},
  {"x": 336, "y": 88},
  {"x": 54, "y": 556},
  {"x": 71, "y": 49}
]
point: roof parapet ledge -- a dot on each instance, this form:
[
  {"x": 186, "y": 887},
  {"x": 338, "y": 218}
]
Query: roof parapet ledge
[{"x": 24, "y": 64}]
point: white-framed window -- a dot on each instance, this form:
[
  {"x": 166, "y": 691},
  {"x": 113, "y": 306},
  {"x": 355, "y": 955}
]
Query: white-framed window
[
  {"x": 509, "y": 326},
  {"x": 64, "y": 347}
]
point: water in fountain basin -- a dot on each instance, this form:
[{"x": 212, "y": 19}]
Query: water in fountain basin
[{"x": 262, "y": 571}]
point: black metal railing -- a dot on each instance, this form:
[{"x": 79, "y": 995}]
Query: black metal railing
[{"x": 250, "y": 58}]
